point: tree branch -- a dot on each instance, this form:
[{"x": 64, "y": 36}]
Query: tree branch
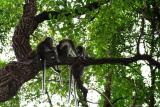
[
  {"x": 92, "y": 61},
  {"x": 23, "y": 30},
  {"x": 124, "y": 61},
  {"x": 141, "y": 34},
  {"x": 120, "y": 98},
  {"x": 49, "y": 99},
  {"x": 13, "y": 76},
  {"x": 55, "y": 14}
]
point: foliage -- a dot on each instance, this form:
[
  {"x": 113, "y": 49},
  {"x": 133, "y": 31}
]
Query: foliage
[
  {"x": 10, "y": 12},
  {"x": 110, "y": 31}
]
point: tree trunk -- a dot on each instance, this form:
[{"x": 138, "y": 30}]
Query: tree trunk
[
  {"x": 16, "y": 73},
  {"x": 152, "y": 88}
]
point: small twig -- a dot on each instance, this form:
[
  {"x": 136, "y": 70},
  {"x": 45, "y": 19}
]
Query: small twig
[
  {"x": 119, "y": 99},
  {"x": 102, "y": 95},
  {"x": 49, "y": 99},
  {"x": 141, "y": 34},
  {"x": 92, "y": 102}
]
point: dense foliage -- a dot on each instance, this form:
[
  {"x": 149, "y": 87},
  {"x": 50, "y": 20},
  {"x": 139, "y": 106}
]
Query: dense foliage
[{"x": 117, "y": 29}]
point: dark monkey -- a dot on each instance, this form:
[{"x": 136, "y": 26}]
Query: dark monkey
[
  {"x": 80, "y": 52},
  {"x": 43, "y": 48},
  {"x": 77, "y": 71},
  {"x": 66, "y": 48}
]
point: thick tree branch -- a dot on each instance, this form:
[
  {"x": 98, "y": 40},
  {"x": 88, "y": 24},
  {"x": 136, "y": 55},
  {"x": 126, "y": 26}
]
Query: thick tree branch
[
  {"x": 23, "y": 30},
  {"x": 17, "y": 73},
  {"x": 93, "y": 61},
  {"x": 55, "y": 14},
  {"x": 124, "y": 61},
  {"x": 13, "y": 76}
]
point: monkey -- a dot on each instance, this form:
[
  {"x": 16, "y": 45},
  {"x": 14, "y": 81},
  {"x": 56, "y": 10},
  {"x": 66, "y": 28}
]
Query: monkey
[
  {"x": 77, "y": 69},
  {"x": 80, "y": 52},
  {"x": 43, "y": 48},
  {"x": 66, "y": 48},
  {"x": 76, "y": 103},
  {"x": 77, "y": 72}
]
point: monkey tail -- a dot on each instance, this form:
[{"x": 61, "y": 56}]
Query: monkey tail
[
  {"x": 75, "y": 93},
  {"x": 44, "y": 76},
  {"x": 70, "y": 88}
]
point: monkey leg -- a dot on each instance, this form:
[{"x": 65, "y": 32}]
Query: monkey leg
[{"x": 82, "y": 88}]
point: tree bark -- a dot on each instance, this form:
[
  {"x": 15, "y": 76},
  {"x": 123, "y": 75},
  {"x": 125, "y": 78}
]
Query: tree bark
[
  {"x": 16, "y": 73},
  {"x": 152, "y": 88}
]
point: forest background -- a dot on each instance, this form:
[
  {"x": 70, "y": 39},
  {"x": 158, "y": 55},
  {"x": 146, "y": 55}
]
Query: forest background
[{"x": 121, "y": 37}]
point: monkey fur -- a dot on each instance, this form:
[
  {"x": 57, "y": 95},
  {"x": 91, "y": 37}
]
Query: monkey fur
[{"x": 43, "y": 48}]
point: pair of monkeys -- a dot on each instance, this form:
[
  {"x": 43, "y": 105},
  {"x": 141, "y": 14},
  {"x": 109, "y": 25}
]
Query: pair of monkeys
[{"x": 65, "y": 48}]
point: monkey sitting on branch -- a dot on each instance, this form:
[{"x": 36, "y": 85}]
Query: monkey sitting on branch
[
  {"x": 77, "y": 69},
  {"x": 65, "y": 49},
  {"x": 43, "y": 49}
]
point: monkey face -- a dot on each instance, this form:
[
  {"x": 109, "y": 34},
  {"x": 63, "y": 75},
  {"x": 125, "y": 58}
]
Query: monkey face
[{"x": 48, "y": 41}]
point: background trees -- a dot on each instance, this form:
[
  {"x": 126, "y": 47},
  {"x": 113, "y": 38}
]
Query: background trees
[{"x": 121, "y": 35}]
